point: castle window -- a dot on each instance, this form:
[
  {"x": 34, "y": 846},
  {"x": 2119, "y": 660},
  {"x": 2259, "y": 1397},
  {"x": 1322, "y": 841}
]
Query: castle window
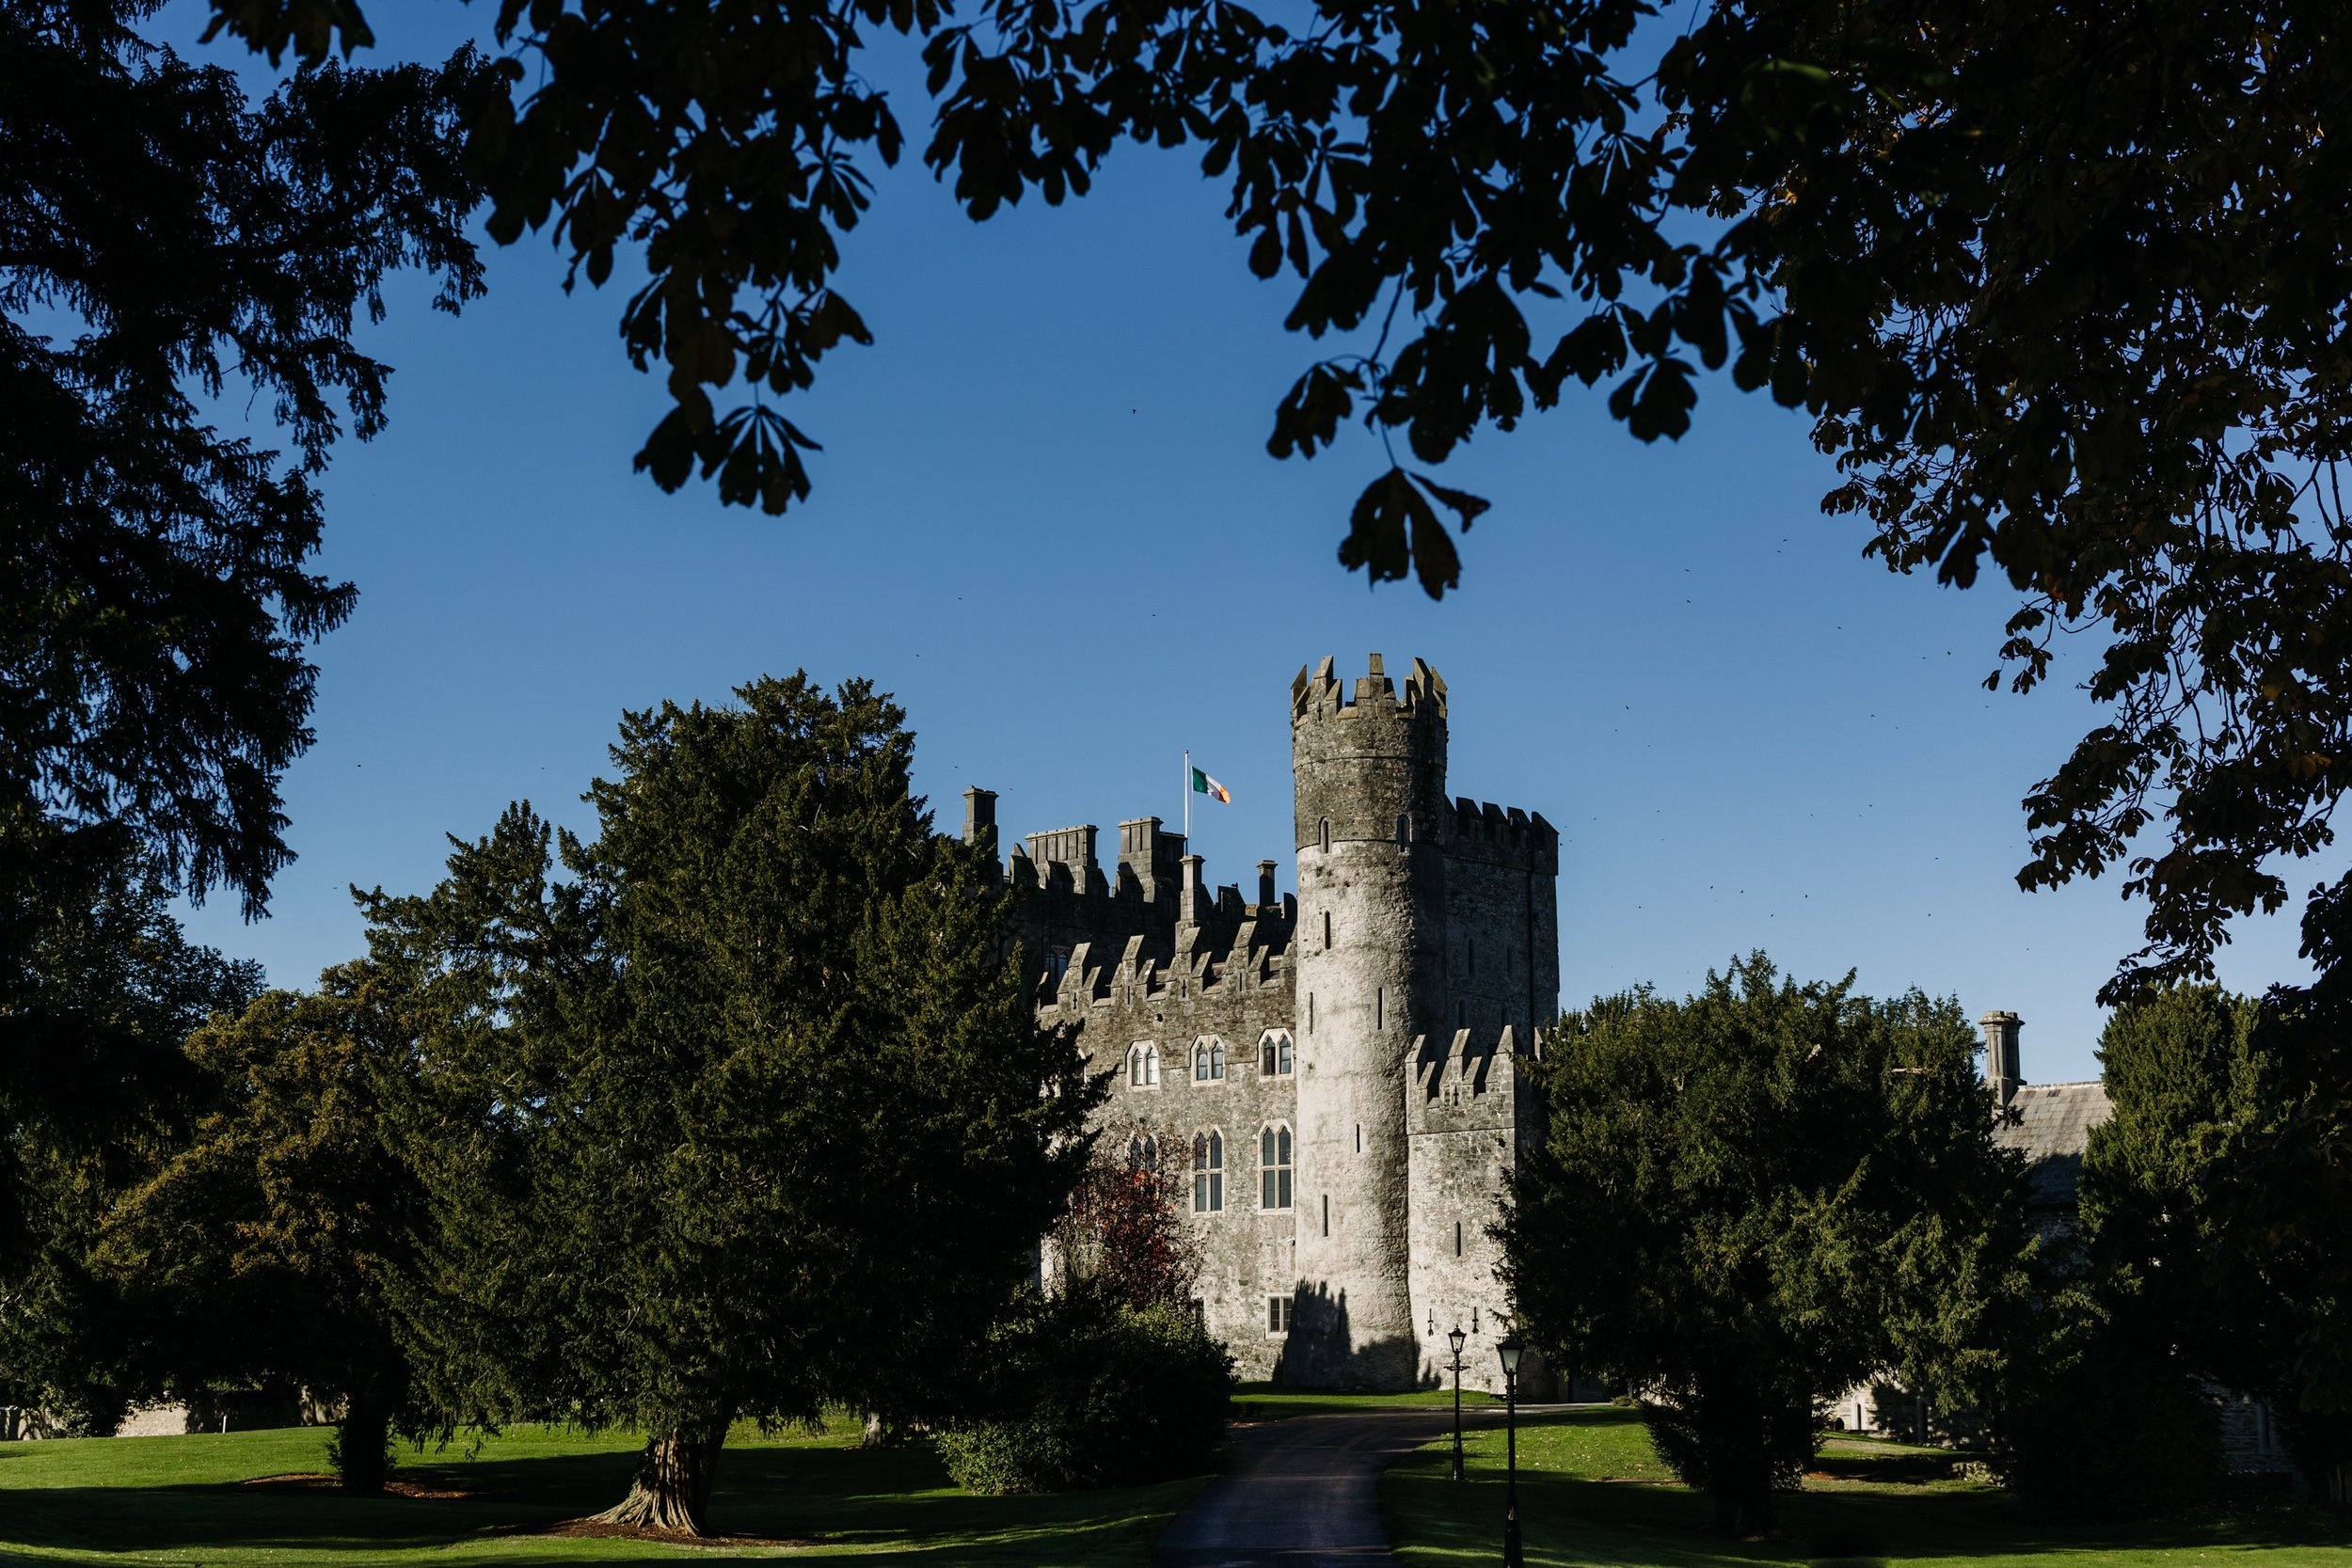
[
  {"x": 1310, "y": 1012},
  {"x": 1326, "y": 930},
  {"x": 1473, "y": 1320},
  {"x": 1143, "y": 1064},
  {"x": 1278, "y": 1314},
  {"x": 1327, "y": 1214},
  {"x": 1457, "y": 1237},
  {"x": 1324, "y": 833},
  {"x": 1207, "y": 1059},
  {"x": 1143, "y": 1153},
  {"x": 1359, "y": 1137},
  {"x": 1273, "y": 1052},
  {"x": 1208, "y": 1172},
  {"x": 1379, "y": 1007},
  {"x": 1274, "y": 1168},
  {"x": 1405, "y": 830}
]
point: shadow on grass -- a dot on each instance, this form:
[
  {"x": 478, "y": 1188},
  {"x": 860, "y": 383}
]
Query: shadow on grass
[
  {"x": 883, "y": 1506},
  {"x": 1589, "y": 1492}
]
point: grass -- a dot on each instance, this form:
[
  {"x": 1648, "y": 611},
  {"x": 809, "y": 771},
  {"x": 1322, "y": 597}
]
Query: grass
[
  {"x": 1592, "y": 1491},
  {"x": 807, "y": 1497},
  {"x": 1263, "y": 1401}
]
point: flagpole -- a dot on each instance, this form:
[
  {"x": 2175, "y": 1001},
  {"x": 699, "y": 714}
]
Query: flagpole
[{"x": 1188, "y": 802}]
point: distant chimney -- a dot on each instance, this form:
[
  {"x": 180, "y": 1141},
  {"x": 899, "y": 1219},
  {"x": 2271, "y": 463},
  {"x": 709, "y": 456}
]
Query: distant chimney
[
  {"x": 979, "y": 818},
  {"x": 2000, "y": 1055},
  {"x": 1265, "y": 885}
]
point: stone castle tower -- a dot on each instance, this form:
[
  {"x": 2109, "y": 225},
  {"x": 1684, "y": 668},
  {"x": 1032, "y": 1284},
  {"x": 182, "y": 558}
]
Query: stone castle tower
[{"x": 1334, "y": 1074}]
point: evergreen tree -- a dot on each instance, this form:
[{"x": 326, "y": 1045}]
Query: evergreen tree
[
  {"x": 98, "y": 989},
  {"x": 744, "y": 1110},
  {"x": 1747, "y": 1202},
  {"x": 271, "y": 1247}
]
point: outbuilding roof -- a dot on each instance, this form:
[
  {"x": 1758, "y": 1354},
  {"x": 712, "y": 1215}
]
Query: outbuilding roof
[{"x": 2050, "y": 1125}]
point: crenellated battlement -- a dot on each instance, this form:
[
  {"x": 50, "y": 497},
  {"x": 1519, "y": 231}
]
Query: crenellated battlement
[
  {"x": 1498, "y": 835},
  {"x": 1322, "y": 695}
]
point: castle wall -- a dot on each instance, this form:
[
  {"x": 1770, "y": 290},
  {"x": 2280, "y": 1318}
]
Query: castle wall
[
  {"x": 1130, "y": 968},
  {"x": 1466, "y": 1115}
]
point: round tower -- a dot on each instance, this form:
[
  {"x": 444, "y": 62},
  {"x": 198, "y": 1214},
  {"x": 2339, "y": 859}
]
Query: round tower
[{"x": 1369, "y": 959}]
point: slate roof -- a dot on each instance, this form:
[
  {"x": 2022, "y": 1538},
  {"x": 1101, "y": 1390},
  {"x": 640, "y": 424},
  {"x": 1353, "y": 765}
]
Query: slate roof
[{"x": 2050, "y": 1124}]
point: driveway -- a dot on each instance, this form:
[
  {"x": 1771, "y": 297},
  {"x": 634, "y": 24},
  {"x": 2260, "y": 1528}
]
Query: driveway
[{"x": 1300, "y": 1494}]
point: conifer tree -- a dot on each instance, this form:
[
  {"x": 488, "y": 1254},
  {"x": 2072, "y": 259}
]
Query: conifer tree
[
  {"x": 99, "y": 987},
  {"x": 271, "y": 1245},
  {"x": 1751, "y": 1199},
  {"x": 738, "y": 1107}
]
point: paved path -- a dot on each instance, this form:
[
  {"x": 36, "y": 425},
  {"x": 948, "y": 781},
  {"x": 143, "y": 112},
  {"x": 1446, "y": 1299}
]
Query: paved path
[{"x": 1300, "y": 1494}]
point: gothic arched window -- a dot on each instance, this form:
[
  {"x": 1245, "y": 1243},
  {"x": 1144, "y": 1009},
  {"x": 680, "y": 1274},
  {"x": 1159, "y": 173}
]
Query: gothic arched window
[
  {"x": 1143, "y": 1064},
  {"x": 1274, "y": 1168},
  {"x": 1208, "y": 1172},
  {"x": 1273, "y": 1052},
  {"x": 1143, "y": 1152},
  {"x": 1207, "y": 1059}
]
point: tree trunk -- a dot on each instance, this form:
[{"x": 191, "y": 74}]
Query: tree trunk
[
  {"x": 882, "y": 1432},
  {"x": 362, "y": 1453},
  {"x": 672, "y": 1489}
]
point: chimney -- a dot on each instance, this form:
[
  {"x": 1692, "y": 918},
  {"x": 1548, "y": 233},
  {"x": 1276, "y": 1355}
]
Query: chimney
[
  {"x": 2000, "y": 1055},
  {"x": 1265, "y": 885},
  {"x": 979, "y": 818},
  {"x": 1191, "y": 895}
]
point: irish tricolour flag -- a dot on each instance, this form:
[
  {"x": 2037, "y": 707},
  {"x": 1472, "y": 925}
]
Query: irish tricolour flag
[{"x": 1203, "y": 784}]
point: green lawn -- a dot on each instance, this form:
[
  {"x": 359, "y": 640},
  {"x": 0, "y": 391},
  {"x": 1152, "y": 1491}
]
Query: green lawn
[
  {"x": 817, "y": 1497},
  {"x": 1591, "y": 1491},
  {"x": 1263, "y": 1401}
]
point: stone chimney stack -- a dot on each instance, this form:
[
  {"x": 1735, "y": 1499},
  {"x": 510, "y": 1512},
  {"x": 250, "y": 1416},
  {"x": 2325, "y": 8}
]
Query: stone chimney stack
[
  {"x": 2000, "y": 1055},
  {"x": 1265, "y": 885},
  {"x": 1191, "y": 895},
  {"x": 979, "y": 818}
]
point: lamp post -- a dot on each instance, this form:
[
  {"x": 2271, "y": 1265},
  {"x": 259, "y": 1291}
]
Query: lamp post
[
  {"x": 1455, "y": 1340},
  {"x": 1509, "y": 1350}
]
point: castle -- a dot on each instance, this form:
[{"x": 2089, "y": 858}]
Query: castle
[{"x": 1334, "y": 1076}]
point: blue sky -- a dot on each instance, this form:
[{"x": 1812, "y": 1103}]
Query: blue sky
[{"x": 1044, "y": 517}]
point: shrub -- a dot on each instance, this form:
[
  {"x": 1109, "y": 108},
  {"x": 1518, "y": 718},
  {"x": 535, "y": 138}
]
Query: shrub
[
  {"x": 2105, "y": 1425},
  {"x": 1086, "y": 1392}
]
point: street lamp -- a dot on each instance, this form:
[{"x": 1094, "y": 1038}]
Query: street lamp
[
  {"x": 1510, "y": 1350},
  {"x": 1455, "y": 1340}
]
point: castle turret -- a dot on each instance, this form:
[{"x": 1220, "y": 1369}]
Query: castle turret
[{"x": 1370, "y": 961}]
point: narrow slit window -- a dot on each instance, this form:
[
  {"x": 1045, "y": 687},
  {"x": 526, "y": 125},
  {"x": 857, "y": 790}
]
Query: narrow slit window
[
  {"x": 1359, "y": 1137},
  {"x": 1326, "y": 930},
  {"x": 1327, "y": 1214},
  {"x": 1473, "y": 1320},
  {"x": 1457, "y": 1237},
  {"x": 1379, "y": 1007},
  {"x": 1324, "y": 833}
]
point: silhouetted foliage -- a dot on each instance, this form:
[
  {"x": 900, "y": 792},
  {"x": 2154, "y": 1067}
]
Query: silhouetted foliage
[
  {"x": 1747, "y": 1202},
  {"x": 167, "y": 246},
  {"x": 743, "y": 1110},
  {"x": 98, "y": 989}
]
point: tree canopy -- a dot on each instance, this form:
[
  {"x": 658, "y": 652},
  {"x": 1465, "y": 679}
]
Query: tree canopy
[
  {"x": 737, "y": 1108},
  {"x": 274, "y": 1243},
  {"x": 98, "y": 989},
  {"x": 169, "y": 246},
  {"x": 1747, "y": 1202}
]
